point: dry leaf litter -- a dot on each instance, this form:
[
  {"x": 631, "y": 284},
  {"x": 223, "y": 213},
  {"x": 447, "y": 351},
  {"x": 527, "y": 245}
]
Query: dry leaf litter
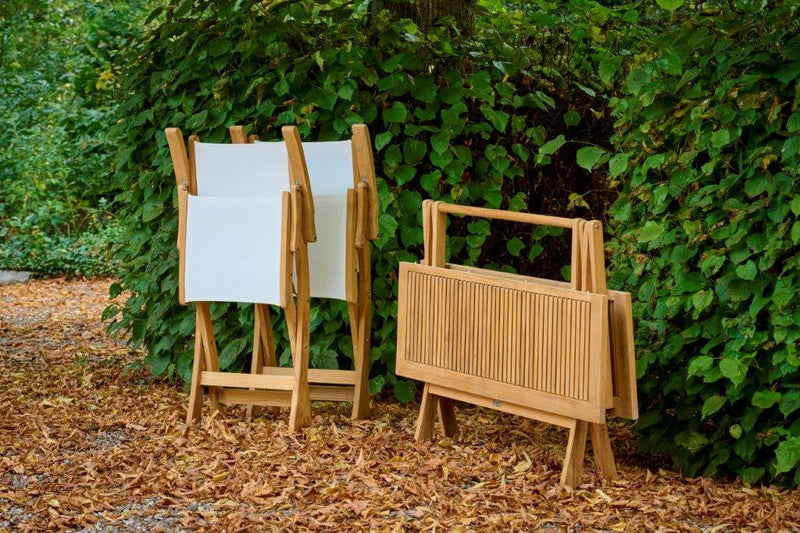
[{"x": 86, "y": 445}]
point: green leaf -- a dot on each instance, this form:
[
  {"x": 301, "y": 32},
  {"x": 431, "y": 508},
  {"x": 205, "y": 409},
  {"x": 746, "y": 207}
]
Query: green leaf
[
  {"x": 671, "y": 5},
  {"x": 787, "y": 454},
  {"x": 515, "y": 246},
  {"x": 752, "y": 474},
  {"x": 765, "y": 398},
  {"x": 650, "y": 232},
  {"x": 158, "y": 364},
  {"x": 795, "y": 234},
  {"x": 691, "y": 440},
  {"x": 393, "y": 156},
  {"x": 424, "y": 90},
  {"x": 151, "y": 210},
  {"x": 618, "y": 164},
  {"x": 217, "y": 47},
  {"x": 430, "y": 181},
  {"x": 589, "y": 155},
  {"x": 747, "y": 271},
  {"x": 790, "y": 402},
  {"x": 712, "y": 405},
  {"x": 404, "y": 174},
  {"x": 791, "y": 147},
  {"x": 552, "y": 145},
  {"x": 793, "y": 122},
  {"x": 572, "y": 118},
  {"x": 387, "y": 225},
  {"x": 733, "y": 369},
  {"x": 414, "y": 151},
  {"x": 702, "y": 299},
  {"x": 720, "y": 138},
  {"x": 404, "y": 391},
  {"x": 376, "y": 385},
  {"x": 230, "y": 352},
  {"x": 382, "y": 139},
  {"x": 396, "y": 113},
  {"x": 699, "y": 365},
  {"x": 440, "y": 142}
]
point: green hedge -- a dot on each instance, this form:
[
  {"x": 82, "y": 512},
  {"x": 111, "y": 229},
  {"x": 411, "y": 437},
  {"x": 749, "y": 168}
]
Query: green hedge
[
  {"x": 708, "y": 228},
  {"x": 57, "y": 99},
  {"x": 492, "y": 119}
]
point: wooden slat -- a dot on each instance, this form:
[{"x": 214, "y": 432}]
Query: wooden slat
[
  {"x": 433, "y": 338},
  {"x": 350, "y": 262},
  {"x": 298, "y": 173},
  {"x": 264, "y": 398},
  {"x": 511, "y": 216},
  {"x": 365, "y": 166},
  {"x": 319, "y": 375},
  {"x": 623, "y": 359},
  {"x": 507, "y": 407},
  {"x": 265, "y": 380},
  {"x": 331, "y": 393}
]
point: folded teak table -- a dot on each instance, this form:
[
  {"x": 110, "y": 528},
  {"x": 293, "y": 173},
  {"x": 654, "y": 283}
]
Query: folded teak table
[{"x": 559, "y": 352}]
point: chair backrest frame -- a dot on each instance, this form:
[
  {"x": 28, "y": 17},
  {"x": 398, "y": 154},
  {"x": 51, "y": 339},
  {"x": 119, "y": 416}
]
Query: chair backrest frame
[{"x": 298, "y": 220}]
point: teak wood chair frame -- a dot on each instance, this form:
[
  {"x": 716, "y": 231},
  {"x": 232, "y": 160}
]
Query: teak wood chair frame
[
  {"x": 362, "y": 227},
  {"x": 283, "y": 387},
  {"x": 444, "y": 359}
]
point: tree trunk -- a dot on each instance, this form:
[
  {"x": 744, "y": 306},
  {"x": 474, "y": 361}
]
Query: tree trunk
[{"x": 425, "y": 13}]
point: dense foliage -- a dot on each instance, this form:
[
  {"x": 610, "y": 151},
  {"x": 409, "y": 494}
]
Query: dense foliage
[
  {"x": 707, "y": 231},
  {"x": 57, "y": 98},
  {"x": 462, "y": 119}
]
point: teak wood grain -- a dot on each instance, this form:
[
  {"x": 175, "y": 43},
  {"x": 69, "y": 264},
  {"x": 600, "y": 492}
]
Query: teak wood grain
[{"x": 559, "y": 352}]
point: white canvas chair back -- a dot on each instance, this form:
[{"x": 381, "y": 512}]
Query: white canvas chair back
[
  {"x": 249, "y": 170},
  {"x": 233, "y": 250},
  {"x": 233, "y": 233},
  {"x": 330, "y": 171}
]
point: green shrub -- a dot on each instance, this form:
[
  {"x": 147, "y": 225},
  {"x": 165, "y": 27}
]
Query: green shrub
[
  {"x": 707, "y": 232},
  {"x": 492, "y": 119},
  {"x": 57, "y": 99}
]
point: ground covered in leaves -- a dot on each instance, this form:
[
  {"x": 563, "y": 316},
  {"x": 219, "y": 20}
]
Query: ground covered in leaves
[{"x": 85, "y": 445}]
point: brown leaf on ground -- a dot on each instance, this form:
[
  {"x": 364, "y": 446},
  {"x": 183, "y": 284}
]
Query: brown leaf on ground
[{"x": 85, "y": 445}]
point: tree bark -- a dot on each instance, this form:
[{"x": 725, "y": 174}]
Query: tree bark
[{"x": 425, "y": 13}]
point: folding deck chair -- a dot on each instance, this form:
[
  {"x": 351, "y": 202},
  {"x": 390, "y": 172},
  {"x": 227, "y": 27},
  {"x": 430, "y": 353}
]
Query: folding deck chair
[
  {"x": 558, "y": 352},
  {"x": 342, "y": 176},
  {"x": 245, "y": 216}
]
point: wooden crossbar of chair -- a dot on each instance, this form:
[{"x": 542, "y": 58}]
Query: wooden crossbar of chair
[
  {"x": 559, "y": 352},
  {"x": 362, "y": 227},
  {"x": 281, "y": 387}
]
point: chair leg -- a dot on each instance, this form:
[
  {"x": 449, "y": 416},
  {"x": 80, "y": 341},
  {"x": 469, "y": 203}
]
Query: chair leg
[
  {"x": 195, "y": 389},
  {"x": 603, "y": 454},
  {"x": 359, "y": 330},
  {"x": 576, "y": 449},
  {"x": 427, "y": 414},
  {"x": 263, "y": 349},
  {"x": 297, "y": 321},
  {"x": 206, "y": 328},
  {"x": 300, "y": 415},
  {"x": 447, "y": 416},
  {"x": 361, "y": 353}
]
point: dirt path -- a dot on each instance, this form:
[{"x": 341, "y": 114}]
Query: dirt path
[{"x": 86, "y": 446}]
